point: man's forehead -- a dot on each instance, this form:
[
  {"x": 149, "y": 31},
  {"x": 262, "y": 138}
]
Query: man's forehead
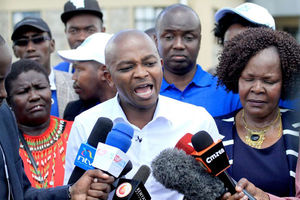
[
  {"x": 85, "y": 62},
  {"x": 128, "y": 44},
  {"x": 31, "y": 32},
  {"x": 84, "y": 17},
  {"x": 179, "y": 18},
  {"x": 134, "y": 55},
  {"x": 127, "y": 41}
]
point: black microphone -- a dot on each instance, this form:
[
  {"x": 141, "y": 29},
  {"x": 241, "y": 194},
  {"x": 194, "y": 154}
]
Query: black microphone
[
  {"x": 98, "y": 134},
  {"x": 213, "y": 157},
  {"x": 178, "y": 171},
  {"x": 134, "y": 189}
]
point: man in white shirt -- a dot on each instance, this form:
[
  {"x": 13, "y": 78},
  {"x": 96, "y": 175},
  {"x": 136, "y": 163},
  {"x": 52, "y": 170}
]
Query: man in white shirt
[{"x": 135, "y": 69}]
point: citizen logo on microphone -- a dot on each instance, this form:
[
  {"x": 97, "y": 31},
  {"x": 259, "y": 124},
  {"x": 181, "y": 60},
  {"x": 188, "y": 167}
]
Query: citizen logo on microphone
[
  {"x": 215, "y": 155},
  {"x": 213, "y": 158}
]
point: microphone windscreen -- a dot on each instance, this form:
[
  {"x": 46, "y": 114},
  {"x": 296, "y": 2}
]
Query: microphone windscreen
[
  {"x": 142, "y": 174},
  {"x": 100, "y": 131},
  {"x": 201, "y": 140},
  {"x": 178, "y": 171},
  {"x": 120, "y": 136}
]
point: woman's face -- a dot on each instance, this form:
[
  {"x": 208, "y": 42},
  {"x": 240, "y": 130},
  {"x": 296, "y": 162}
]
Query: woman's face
[
  {"x": 261, "y": 82},
  {"x": 31, "y": 98}
]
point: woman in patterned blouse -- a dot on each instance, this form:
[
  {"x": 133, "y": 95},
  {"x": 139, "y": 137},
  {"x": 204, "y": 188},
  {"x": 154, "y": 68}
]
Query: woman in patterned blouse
[{"x": 43, "y": 138}]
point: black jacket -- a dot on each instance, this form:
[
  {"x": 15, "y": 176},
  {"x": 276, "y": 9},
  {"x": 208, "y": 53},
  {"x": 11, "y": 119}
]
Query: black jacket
[{"x": 74, "y": 108}]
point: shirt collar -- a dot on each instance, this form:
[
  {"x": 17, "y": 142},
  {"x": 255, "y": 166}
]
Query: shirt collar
[
  {"x": 201, "y": 79},
  {"x": 117, "y": 114},
  {"x": 161, "y": 112},
  {"x": 52, "y": 80}
]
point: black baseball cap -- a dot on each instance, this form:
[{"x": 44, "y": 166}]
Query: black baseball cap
[
  {"x": 75, "y": 7},
  {"x": 34, "y": 22}
]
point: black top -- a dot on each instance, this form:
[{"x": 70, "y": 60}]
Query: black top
[
  {"x": 74, "y": 108},
  {"x": 290, "y": 139},
  {"x": 267, "y": 168},
  {"x": 3, "y": 180}
]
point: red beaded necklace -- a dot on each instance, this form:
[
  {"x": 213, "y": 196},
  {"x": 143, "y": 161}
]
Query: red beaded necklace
[{"x": 47, "y": 150}]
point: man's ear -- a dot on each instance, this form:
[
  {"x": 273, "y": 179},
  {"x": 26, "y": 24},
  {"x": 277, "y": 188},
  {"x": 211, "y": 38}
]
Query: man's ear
[
  {"x": 52, "y": 45},
  {"x": 200, "y": 37},
  {"x": 108, "y": 77},
  {"x": 15, "y": 51},
  {"x": 101, "y": 70}
]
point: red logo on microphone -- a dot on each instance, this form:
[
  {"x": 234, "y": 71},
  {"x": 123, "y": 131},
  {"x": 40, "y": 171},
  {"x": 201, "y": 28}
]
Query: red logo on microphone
[
  {"x": 101, "y": 152},
  {"x": 117, "y": 158},
  {"x": 123, "y": 190}
]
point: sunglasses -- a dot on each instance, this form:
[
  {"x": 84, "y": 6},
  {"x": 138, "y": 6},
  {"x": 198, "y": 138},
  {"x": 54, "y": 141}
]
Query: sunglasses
[{"x": 36, "y": 40}]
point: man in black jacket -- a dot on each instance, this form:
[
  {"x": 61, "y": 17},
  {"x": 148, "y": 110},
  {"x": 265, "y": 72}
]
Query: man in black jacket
[{"x": 14, "y": 183}]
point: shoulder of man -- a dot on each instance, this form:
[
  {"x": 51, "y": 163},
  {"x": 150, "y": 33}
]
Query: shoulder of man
[{"x": 62, "y": 66}]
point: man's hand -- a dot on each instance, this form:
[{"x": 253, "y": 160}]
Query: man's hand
[
  {"x": 250, "y": 188},
  {"x": 93, "y": 184}
]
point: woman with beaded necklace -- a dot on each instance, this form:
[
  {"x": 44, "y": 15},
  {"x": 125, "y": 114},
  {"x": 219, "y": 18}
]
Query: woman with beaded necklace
[
  {"x": 261, "y": 139},
  {"x": 43, "y": 138}
]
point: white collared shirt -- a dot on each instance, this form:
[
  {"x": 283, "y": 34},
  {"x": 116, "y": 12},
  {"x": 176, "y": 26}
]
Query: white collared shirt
[{"x": 172, "y": 120}]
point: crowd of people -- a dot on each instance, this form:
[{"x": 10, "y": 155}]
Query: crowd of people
[{"x": 151, "y": 81}]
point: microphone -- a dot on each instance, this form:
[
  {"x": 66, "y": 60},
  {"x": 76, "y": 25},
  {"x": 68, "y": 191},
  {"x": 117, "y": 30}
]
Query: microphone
[
  {"x": 213, "y": 158},
  {"x": 87, "y": 151},
  {"x": 185, "y": 144},
  {"x": 134, "y": 189},
  {"x": 85, "y": 157},
  {"x": 110, "y": 157},
  {"x": 178, "y": 171},
  {"x": 211, "y": 155}
]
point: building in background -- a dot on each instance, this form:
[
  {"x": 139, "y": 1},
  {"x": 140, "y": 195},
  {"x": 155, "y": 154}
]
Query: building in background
[
  {"x": 286, "y": 14},
  {"x": 141, "y": 14}
]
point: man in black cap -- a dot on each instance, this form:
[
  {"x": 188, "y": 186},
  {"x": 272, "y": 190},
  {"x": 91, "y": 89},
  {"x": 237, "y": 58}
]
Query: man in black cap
[
  {"x": 14, "y": 183},
  {"x": 32, "y": 39},
  {"x": 82, "y": 18}
]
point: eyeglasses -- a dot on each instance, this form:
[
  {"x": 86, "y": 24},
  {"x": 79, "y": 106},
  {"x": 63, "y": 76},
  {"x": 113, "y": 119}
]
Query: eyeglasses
[{"x": 36, "y": 40}]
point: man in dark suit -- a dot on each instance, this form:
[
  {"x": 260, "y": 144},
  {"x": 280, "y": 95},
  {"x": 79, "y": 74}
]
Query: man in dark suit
[{"x": 13, "y": 181}]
